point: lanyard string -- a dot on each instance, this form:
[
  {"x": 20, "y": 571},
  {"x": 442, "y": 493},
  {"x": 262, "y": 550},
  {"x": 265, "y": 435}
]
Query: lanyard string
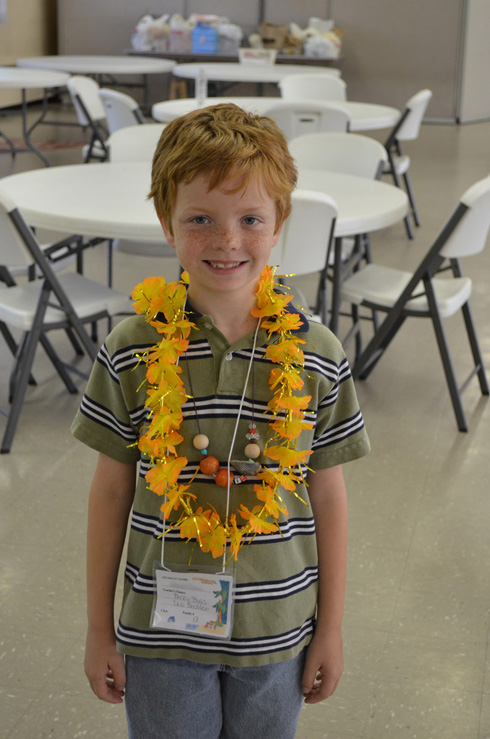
[{"x": 235, "y": 431}]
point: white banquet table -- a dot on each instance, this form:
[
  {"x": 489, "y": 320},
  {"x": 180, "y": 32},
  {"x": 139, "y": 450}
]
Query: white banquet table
[
  {"x": 100, "y": 66},
  {"x": 364, "y": 116},
  {"x": 109, "y": 200},
  {"x": 235, "y": 72},
  {"x": 30, "y": 79}
]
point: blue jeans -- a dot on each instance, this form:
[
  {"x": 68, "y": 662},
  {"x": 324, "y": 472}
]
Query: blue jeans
[{"x": 180, "y": 699}]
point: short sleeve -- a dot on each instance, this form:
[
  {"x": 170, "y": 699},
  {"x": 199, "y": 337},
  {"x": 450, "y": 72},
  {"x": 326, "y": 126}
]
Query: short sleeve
[
  {"x": 112, "y": 407},
  {"x": 340, "y": 434}
]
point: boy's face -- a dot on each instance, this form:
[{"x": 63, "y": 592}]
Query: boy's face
[{"x": 223, "y": 239}]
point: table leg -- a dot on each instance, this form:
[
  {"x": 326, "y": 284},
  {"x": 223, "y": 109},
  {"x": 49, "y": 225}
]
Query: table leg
[
  {"x": 10, "y": 143},
  {"x": 336, "y": 280},
  {"x": 27, "y": 131}
]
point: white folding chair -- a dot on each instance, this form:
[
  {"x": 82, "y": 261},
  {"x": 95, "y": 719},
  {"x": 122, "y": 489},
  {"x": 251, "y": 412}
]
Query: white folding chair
[
  {"x": 407, "y": 128},
  {"x": 348, "y": 153},
  {"x": 84, "y": 93},
  {"x": 130, "y": 144},
  {"x": 301, "y": 117},
  {"x": 310, "y": 223},
  {"x": 134, "y": 143},
  {"x": 436, "y": 290},
  {"x": 313, "y": 87},
  {"x": 340, "y": 152},
  {"x": 65, "y": 301},
  {"x": 120, "y": 109}
]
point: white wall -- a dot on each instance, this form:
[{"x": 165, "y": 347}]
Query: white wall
[
  {"x": 393, "y": 49},
  {"x": 475, "y": 89}
]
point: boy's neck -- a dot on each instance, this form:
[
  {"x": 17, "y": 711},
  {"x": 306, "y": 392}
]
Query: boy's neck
[{"x": 230, "y": 315}]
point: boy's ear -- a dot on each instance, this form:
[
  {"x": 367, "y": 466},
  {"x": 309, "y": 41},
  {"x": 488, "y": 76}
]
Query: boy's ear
[{"x": 169, "y": 237}]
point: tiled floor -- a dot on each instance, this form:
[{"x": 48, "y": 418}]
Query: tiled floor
[{"x": 417, "y": 615}]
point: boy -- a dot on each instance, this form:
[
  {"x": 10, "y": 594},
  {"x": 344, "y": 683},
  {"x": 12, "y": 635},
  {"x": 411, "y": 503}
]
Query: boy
[{"x": 221, "y": 185}]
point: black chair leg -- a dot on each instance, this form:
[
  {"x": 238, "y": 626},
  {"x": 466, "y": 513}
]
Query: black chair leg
[
  {"x": 411, "y": 199},
  {"x": 475, "y": 349},
  {"x": 448, "y": 366}
]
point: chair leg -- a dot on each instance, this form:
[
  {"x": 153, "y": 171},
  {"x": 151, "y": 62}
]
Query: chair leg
[
  {"x": 411, "y": 199},
  {"x": 58, "y": 364},
  {"x": 27, "y": 357},
  {"x": 448, "y": 366},
  {"x": 475, "y": 349},
  {"x": 377, "y": 346},
  {"x": 13, "y": 346},
  {"x": 396, "y": 180}
]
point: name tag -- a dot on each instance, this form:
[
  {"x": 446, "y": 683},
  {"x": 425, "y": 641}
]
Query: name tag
[{"x": 194, "y": 602}]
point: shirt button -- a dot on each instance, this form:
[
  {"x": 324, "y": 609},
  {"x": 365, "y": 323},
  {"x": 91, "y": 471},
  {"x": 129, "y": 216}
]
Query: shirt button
[
  {"x": 207, "y": 325},
  {"x": 229, "y": 357}
]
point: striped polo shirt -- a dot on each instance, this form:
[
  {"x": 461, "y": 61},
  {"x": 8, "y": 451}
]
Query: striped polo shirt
[{"x": 276, "y": 574}]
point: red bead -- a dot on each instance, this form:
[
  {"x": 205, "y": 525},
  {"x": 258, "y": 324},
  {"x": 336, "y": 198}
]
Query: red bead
[
  {"x": 209, "y": 465},
  {"x": 222, "y": 478}
]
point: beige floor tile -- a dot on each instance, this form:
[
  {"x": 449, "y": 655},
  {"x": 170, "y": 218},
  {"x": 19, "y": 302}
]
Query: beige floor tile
[
  {"x": 66, "y": 716},
  {"x": 27, "y": 662},
  {"x": 447, "y": 616},
  {"x": 419, "y": 712},
  {"x": 343, "y": 714},
  {"x": 435, "y": 663},
  {"x": 13, "y": 705},
  {"x": 484, "y": 732}
]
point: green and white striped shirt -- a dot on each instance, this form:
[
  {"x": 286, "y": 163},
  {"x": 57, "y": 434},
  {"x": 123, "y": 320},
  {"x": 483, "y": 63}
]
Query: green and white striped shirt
[{"x": 276, "y": 574}]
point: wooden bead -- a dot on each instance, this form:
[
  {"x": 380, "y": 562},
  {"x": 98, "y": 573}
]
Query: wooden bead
[
  {"x": 222, "y": 478},
  {"x": 252, "y": 451},
  {"x": 209, "y": 466},
  {"x": 200, "y": 441}
]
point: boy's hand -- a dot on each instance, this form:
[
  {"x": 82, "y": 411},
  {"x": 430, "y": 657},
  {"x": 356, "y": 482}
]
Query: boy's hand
[
  {"x": 104, "y": 668},
  {"x": 323, "y": 667}
]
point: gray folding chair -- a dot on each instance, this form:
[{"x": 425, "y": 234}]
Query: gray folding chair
[
  {"x": 65, "y": 301},
  {"x": 407, "y": 128},
  {"x": 311, "y": 222},
  {"x": 437, "y": 289},
  {"x": 120, "y": 109},
  {"x": 299, "y": 117},
  {"x": 84, "y": 93}
]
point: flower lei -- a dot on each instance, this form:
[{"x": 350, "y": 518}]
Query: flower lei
[{"x": 166, "y": 395}]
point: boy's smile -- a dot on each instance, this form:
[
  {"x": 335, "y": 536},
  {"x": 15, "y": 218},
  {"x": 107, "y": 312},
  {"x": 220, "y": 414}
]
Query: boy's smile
[{"x": 223, "y": 238}]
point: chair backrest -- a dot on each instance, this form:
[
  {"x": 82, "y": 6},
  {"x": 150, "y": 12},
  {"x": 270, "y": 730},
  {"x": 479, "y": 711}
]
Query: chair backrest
[
  {"x": 84, "y": 93},
  {"x": 413, "y": 115},
  {"x": 306, "y": 235},
  {"x": 134, "y": 143},
  {"x": 470, "y": 234},
  {"x": 297, "y": 118},
  {"x": 120, "y": 109},
  {"x": 313, "y": 87},
  {"x": 348, "y": 153}
]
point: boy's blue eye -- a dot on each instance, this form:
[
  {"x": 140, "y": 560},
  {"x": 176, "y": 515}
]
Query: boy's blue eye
[
  {"x": 250, "y": 220},
  {"x": 200, "y": 219}
]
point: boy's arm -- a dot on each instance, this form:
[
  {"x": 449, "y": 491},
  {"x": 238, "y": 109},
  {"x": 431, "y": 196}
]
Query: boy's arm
[
  {"x": 324, "y": 660},
  {"x": 111, "y": 497}
]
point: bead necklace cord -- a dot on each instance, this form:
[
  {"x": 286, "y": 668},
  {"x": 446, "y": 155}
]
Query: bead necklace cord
[{"x": 166, "y": 396}]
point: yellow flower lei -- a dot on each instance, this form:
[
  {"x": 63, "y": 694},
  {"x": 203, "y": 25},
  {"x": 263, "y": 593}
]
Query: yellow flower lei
[{"x": 166, "y": 395}]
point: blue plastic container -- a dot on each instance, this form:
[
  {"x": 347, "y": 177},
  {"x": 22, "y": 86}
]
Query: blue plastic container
[{"x": 205, "y": 40}]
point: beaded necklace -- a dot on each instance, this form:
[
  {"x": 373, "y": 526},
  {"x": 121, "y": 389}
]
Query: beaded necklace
[{"x": 166, "y": 395}]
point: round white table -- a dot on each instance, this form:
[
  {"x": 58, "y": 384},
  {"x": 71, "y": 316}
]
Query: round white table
[
  {"x": 234, "y": 73},
  {"x": 100, "y": 66},
  {"x": 364, "y": 116},
  {"x": 109, "y": 201},
  {"x": 28, "y": 79}
]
